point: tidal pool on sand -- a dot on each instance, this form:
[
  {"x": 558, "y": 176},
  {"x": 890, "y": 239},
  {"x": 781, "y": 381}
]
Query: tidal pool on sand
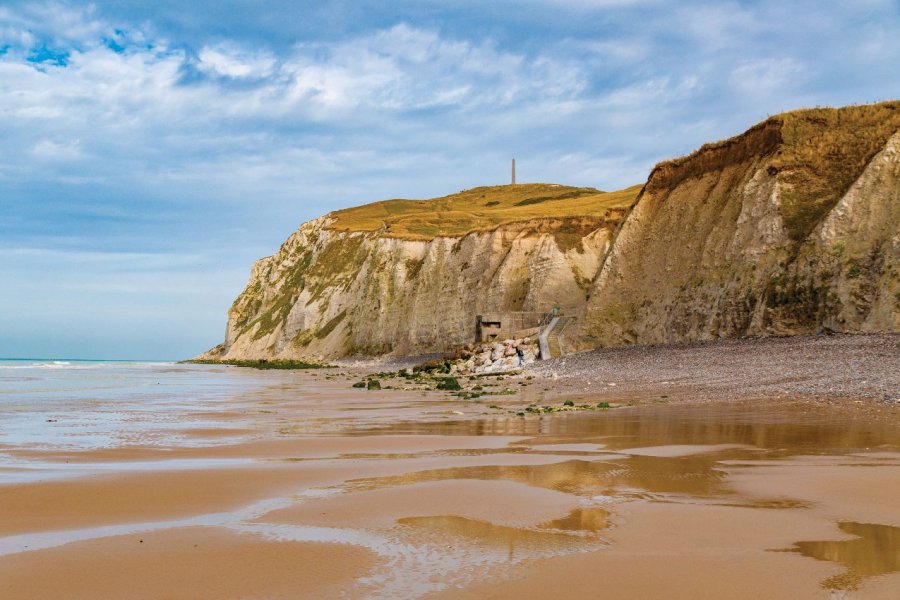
[{"x": 647, "y": 501}]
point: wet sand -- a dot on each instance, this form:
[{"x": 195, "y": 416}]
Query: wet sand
[
  {"x": 328, "y": 491},
  {"x": 196, "y": 562}
]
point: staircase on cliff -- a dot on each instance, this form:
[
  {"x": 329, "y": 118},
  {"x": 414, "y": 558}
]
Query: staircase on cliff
[
  {"x": 554, "y": 342},
  {"x": 549, "y": 339}
]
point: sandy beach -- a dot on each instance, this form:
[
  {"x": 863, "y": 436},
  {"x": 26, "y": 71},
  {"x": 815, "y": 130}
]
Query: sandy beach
[
  {"x": 544, "y": 300},
  {"x": 297, "y": 485}
]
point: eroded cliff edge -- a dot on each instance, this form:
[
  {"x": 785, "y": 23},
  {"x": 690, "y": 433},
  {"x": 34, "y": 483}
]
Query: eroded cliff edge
[
  {"x": 791, "y": 227},
  {"x": 407, "y": 276}
]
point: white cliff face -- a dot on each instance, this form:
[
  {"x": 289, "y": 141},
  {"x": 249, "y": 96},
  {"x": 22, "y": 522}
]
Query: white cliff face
[
  {"x": 790, "y": 228},
  {"x": 861, "y": 240},
  {"x": 329, "y": 294},
  {"x": 711, "y": 257}
]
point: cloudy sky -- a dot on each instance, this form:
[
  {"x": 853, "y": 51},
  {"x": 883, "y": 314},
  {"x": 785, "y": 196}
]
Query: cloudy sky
[{"x": 152, "y": 150}]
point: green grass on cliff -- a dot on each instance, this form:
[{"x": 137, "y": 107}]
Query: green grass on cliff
[
  {"x": 823, "y": 152},
  {"x": 480, "y": 209},
  {"x": 816, "y": 153},
  {"x": 262, "y": 364}
]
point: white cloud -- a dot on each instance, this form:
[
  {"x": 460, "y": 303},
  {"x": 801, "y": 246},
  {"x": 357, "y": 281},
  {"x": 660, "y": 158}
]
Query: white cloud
[
  {"x": 152, "y": 112},
  {"x": 14, "y": 36},
  {"x": 761, "y": 78},
  {"x": 598, "y": 4},
  {"x": 614, "y": 51},
  {"x": 230, "y": 61},
  {"x": 649, "y": 92},
  {"x": 114, "y": 260},
  {"x": 404, "y": 68},
  {"x": 51, "y": 150},
  {"x": 60, "y": 22},
  {"x": 112, "y": 98},
  {"x": 140, "y": 142},
  {"x": 718, "y": 25}
]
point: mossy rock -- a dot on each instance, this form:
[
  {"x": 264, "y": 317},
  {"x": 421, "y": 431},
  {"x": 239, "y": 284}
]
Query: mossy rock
[
  {"x": 373, "y": 384},
  {"x": 449, "y": 383},
  {"x": 262, "y": 364},
  {"x": 433, "y": 366}
]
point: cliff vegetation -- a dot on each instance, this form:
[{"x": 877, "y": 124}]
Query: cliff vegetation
[
  {"x": 478, "y": 209},
  {"x": 789, "y": 228}
]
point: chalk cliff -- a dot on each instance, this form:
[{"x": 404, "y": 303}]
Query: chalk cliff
[
  {"x": 791, "y": 227},
  {"x": 407, "y": 276}
]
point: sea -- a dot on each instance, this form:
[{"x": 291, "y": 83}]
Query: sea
[{"x": 53, "y": 404}]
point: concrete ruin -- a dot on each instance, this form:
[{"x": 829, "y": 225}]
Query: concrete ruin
[
  {"x": 490, "y": 327},
  {"x": 547, "y": 328}
]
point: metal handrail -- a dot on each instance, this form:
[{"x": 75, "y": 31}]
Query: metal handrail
[{"x": 545, "y": 320}]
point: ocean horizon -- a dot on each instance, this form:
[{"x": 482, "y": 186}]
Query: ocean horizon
[{"x": 65, "y": 360}]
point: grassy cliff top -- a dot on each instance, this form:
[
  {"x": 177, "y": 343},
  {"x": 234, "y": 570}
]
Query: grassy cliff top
[
  {"x": 479, "y": 209},
  {"x": 823, "y": 152},
  {"x": 819, "y": 153}
]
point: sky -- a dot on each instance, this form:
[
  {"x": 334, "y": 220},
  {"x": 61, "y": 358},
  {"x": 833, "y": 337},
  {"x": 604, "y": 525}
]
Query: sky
[{"x": 151, "y": 151}]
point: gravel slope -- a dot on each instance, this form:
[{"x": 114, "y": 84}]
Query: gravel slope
[{"x": 827, "y": 367}]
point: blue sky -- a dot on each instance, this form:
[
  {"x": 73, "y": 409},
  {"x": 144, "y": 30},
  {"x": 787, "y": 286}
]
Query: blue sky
[{"x": 152, "y": 150}]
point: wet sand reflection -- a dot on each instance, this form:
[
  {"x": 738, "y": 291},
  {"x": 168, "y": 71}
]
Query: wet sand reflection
[{"x": 875, "y": 550}]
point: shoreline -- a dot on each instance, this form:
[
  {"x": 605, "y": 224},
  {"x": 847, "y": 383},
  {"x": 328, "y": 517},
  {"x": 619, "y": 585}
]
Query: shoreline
[
  {"x": 835, "y": 370},
  {"x": 419, "y": 493},
  {"x": 829, "y": 369}
]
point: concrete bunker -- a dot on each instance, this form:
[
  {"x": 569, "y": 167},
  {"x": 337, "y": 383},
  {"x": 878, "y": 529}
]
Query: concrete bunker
[{"x": 548, "y": 327}]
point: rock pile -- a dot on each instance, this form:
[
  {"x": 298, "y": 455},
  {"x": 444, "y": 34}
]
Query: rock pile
[{"x": 493, "y": 357}]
